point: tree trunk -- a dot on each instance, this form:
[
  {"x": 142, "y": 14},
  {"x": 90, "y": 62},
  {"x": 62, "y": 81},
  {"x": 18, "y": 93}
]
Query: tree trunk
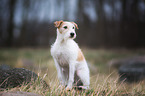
[{"x": 9, "y": 42}]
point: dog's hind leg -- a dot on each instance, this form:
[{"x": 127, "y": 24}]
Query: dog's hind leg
[
  {"x": 77, "y": 82},
  {"x": 83, "y": 74}
]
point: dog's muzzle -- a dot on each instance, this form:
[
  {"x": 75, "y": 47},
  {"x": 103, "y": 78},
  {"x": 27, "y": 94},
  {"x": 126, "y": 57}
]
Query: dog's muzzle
[{"x": 72, "y": 35}]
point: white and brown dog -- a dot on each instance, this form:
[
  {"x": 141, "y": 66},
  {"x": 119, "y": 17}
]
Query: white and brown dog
[{"x": 70, "y": 62}]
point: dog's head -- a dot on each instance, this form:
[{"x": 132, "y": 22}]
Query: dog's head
[{"x": 66, "y": 29}]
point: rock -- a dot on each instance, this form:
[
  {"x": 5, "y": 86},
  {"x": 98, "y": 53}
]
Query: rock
[
  {"x": 119, "y": 62},
  {"x": 16, "y": 77},
  {"x": 132, "y": 72},
  {"x": 18, "y": 93}
]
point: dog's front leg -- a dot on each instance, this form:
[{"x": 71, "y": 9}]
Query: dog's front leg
[
  {"x": 71, "y": 75},
  {"x": 60, "y": 73}
]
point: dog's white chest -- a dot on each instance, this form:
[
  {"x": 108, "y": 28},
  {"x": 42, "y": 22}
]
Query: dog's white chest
[
  {"x": 61, "y": 54},
  {"x": 64, "y": 53},
  {"x": 62, "y": 58}
]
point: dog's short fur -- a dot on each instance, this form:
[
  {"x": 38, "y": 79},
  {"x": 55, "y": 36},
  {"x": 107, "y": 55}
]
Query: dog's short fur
[{"x": 69, "y": 60}]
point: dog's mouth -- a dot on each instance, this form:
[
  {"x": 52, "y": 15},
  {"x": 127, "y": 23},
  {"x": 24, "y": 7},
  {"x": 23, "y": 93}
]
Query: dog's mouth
[{"x": 72, "y": 37}]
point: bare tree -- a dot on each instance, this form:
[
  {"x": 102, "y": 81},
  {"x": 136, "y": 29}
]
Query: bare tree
[{"x": 9, "y": 41}]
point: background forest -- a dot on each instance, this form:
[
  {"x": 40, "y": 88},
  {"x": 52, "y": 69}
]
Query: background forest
[{"x": 102, "y": 23}]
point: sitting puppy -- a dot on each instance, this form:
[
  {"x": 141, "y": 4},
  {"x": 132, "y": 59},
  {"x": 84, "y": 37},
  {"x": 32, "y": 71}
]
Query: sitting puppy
[{"x": 69, "y": 60}]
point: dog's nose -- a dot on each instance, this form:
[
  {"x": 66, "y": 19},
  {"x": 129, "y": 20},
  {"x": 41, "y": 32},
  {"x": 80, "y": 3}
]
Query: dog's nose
[{"x": 72, "y": 34}]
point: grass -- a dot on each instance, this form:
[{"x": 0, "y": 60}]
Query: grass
[{"x": 104, "y": 81}]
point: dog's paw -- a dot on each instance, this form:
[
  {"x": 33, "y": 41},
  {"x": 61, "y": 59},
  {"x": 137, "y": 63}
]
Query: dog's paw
[{"x": 84, "y": 87}]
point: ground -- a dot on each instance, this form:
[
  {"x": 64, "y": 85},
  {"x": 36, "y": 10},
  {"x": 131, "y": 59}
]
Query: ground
[{"x": 104, "y": 80}]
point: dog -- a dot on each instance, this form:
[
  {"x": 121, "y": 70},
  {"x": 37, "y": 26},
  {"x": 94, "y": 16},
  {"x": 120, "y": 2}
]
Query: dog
[{"x": 72, "y": 68}]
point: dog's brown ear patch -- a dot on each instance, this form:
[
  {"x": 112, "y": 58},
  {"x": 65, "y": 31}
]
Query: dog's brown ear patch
[
  {"x": 58, "y": 23},
  {"x": 80, "y": 56},
  {"x": 75, "y": 25}
]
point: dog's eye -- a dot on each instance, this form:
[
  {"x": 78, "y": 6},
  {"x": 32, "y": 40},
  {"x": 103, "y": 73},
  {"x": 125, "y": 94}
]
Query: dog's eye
[
  {"x": 65, "y": 27},
  {"x": 73, "y": 27}
]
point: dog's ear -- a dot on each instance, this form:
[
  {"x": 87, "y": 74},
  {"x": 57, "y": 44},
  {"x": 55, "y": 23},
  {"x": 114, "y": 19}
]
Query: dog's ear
[
  {"x": 75, "y": 25},
  {"x": 58, "y": 23}
]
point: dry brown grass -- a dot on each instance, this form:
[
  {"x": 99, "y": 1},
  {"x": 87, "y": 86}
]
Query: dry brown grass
[{"x": 104, "y": 81}]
